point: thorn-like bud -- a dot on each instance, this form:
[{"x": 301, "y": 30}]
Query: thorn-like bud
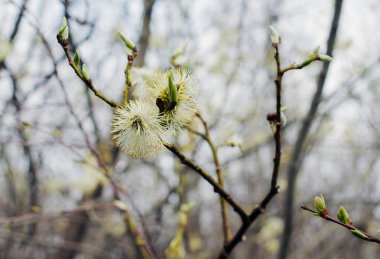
[
  {"x": 325, "y": 58},
  {"x": 127, "y": 42},
  {"x": 320, "y": 205},
  {"x": 343, "y": 216},
  {"x": 358, "y": 233},
  {"x": 85, "y": 72},
  {"x": 76, "y": 59},
  {"x": 64, "y": 30},
  {"x": 274, "y": 36},
  {"x": 172, "y": 88}
]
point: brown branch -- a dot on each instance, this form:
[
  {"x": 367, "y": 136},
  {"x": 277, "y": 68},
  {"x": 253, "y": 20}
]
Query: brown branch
[
  {"x": 88, "y": 82},
  {"x": 327, "y": 217},
  {"x": 217, "y": 188},
  {"x": 273, "y": 190}
]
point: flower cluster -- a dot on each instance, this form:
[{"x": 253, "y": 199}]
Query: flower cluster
[{"x": 143, "y": 126}]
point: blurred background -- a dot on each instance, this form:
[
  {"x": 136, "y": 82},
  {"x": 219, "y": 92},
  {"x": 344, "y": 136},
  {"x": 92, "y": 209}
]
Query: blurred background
[{"x": 55, "y": 201}]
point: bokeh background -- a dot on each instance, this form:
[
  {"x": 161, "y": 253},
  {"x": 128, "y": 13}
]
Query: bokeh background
[{"x": 55, "y": 201}]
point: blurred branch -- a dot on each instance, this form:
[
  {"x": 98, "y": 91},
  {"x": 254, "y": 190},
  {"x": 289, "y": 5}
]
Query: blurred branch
[
  {"x": 143, "y": 42},
  {"x": 219, "y": 173},
  {"x": 296, "y": 159},
  {"x": 37, "y": 216},
  {"x": 355, "y": 231}
]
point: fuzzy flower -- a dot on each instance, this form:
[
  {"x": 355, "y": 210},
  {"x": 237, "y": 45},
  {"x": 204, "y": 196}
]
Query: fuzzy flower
[
  {"x": 137, "y": 129},
  {"x": 178, "y": 107}
]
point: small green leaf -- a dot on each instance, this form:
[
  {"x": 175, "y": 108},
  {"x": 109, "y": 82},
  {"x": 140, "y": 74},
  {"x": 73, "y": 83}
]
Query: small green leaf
[
  {"x": 179, "y": 51},
  {"x": 316, "y": 50},
  {"x": 358, "y": 233},
  {"x": 85, "y": 72},
  {"x": 172, "y": 88},
  {"x": 342, "y": 215},
  {"x": 76, "y": 59},
  {"x": 64, "y": 30},
  {"x": 309, "y": 59}
]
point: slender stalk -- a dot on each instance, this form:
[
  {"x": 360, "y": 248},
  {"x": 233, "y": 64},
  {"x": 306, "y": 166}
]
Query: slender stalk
[
  {"x": 327, "y": 217},
  {"x": 128, "y": 76},
  {"x": 219, "y": 173}
]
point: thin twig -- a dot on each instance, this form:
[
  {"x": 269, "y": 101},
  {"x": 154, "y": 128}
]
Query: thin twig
[
  {"x": 299, "y": 146},
  {"x": 217, "y": 188},
  {"x": 327, "y": 217},
  {"x": 219, "y": 173},
  {"x": 88, "y": 82},
  {"x": 273, "y": 190}
]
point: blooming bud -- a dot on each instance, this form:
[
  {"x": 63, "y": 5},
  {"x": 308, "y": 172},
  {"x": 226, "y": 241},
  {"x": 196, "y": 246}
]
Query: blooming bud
[
  {"x": 343, "y": 215},
  {"x": 320, "y": 205},
  {"x": 64, "y": 30}
]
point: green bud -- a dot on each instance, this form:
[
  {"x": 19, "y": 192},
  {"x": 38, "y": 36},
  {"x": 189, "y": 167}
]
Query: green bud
[
  {"x": 127, "y": 42},
  {"x": 120, "y": 205},
  {"x": 319, "y": 204},
  {"x": 358, "y": 233},
  {"x": 343, "y": 215},
  {"x": 325, "y": 58},
  {"x": 316, "y": 50},
  {"x": 309, "y": 59},
  {"x": 85, "y": 72},
  {"x": 179, "y": 51},
  {"x": 274, "y": 36},
  {"x": 64, "y": 30},
  {"x": 76, "y": 59},
  {"x": 172, "y": 88}
]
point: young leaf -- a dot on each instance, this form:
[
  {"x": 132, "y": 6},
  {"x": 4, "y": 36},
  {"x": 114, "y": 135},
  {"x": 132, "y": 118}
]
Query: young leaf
[{"x": 76, "y": 59}]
